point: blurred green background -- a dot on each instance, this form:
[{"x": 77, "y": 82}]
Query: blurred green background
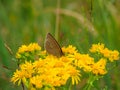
[{"x": 77, "y": 22}]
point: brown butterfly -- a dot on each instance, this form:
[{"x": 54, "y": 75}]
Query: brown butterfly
[{"x": 52, "y": 46}]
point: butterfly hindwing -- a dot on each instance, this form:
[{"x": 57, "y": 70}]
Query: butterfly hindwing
[{"x": 52, "y": 46}]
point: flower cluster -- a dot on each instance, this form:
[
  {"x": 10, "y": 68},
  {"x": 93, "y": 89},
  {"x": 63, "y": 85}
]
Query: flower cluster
[
  {"x": 29, "y": 52},
  {"x": 52, "y": 72},
  {"x": 101, "y": 49}
]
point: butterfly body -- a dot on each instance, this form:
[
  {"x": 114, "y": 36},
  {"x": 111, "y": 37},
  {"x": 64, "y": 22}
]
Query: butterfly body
[{"x": 52, "y": 46}]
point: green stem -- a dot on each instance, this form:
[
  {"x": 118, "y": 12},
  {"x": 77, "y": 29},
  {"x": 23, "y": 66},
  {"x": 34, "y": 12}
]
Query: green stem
[
  {"x": 89, "y": 85},
  {"x": 57, "y": 20}
]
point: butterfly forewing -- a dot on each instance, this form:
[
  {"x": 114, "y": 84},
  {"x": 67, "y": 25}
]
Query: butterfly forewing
[{"x": 52, "y": 46}]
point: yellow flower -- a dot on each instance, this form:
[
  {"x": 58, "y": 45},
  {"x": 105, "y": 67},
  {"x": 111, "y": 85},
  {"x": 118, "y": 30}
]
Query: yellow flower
[
  {"x": 99, "y": 68},
  {"x": 96, "y": 48},
  {"x": 111, "y": 55},
  {"x": 28, "y": 53},
  {"x": 29, "y": 48},
  {"x": 26, "y": 71},
  {"x": 70, "y": 49},
  {"x": 38, "y": 64},
  {"x": 55, "y": 73},
  {"x": 85, "y": 62},
  {"x": 105, "y": 52},
  {"x": 66, "y": 60},
  {"x": 43, "y": 53},
  {"x": 51, "y": 72},
  {"x": 114, "y": 55},
  {"x": 36, "y": 82},
  {"x": 22, "y": 49},
  {"x": 28, "y": 68},
  {"x": 74, "y": 74},
  {"x": 33, "y": 47},
  {"x": 18, "y": 76}
]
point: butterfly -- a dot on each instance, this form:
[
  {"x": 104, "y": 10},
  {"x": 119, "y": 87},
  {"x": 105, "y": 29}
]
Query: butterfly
[{"x": 52, "y": 46}]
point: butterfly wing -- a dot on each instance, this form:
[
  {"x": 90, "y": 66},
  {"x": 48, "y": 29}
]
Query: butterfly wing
[{"x": 52, "y": 46}]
